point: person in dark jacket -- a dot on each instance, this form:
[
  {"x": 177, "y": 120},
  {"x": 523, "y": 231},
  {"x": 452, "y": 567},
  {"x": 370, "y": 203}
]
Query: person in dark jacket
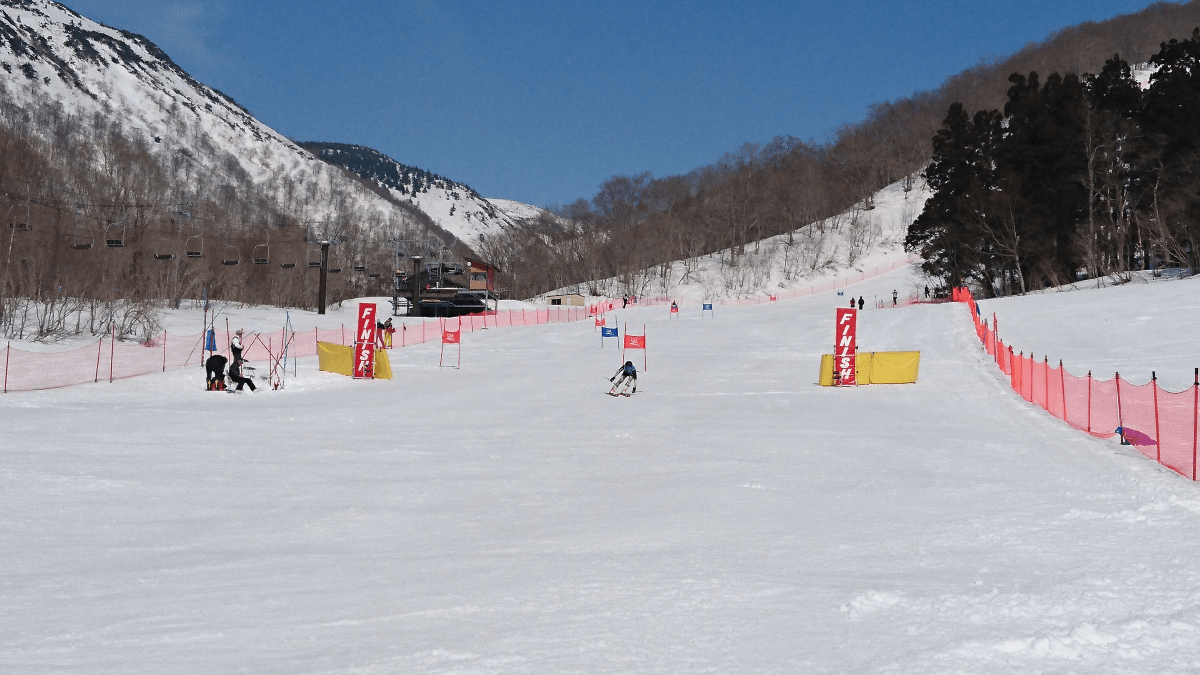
[
  {"x": 235, "y": 374},
  {"x": 861, "y": 302},
  {"x": 214, "y": 376},
  {"x": 235, "y": 346},
  {"x": 628, "y": 375}
]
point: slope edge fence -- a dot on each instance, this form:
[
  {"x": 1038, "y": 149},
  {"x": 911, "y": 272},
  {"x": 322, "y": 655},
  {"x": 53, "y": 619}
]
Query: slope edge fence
[
  {"x": 110, "y": 359},
  {"x": 1163, "y": 425}
]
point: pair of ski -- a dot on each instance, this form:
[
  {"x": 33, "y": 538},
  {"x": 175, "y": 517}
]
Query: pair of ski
[{"x": 623, "y": 393}]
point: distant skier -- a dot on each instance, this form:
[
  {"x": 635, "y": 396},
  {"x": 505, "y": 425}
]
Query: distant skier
[
  {"x": 895, "y": 297},
  {"x": 628, "y": 375},
  {"x": 861, "y": 302},
  {"x": 624, "y": 301},
  {"x": 214, "y": 376},
  {"x": 926, "y": 291},
  {"x": 853, "y": 302}
]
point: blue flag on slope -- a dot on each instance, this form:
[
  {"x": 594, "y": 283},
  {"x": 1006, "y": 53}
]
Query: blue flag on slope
[
  {"x": 608, "y": 332},
  {"x": 211, "y": 342}
]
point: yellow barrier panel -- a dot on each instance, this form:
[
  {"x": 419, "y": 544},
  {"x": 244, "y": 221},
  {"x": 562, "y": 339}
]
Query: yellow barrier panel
[
  {"x": 339, "y": 359},
  {"x": 383, "y": 367},
  {"x": 876, "y": 368},
  {"x": 894, "y": 367}
]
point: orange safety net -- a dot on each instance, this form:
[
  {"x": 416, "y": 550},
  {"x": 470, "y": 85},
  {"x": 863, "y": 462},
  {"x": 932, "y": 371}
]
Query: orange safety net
[
  {"x": 1162, "y": 425},
  {"x": 109, "y": 360}
]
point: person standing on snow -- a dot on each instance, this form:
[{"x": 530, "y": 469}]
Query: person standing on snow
[
  {"x": 628, "y": 375},
  {"x": 861, "y": 302},
  {"x": 895, "y": 296},
  {"x": 235, "y": 346}
]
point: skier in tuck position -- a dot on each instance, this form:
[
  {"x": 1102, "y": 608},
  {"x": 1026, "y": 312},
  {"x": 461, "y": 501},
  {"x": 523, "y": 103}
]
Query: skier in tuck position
[{"x": 628, "y": 375}]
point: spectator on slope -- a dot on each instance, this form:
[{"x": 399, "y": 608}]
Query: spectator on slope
[
  {"x": 853, "y": 302},
  {"x": 235, "y": 374},
  {"x": 861, "y": 302},
  {"x": 384, "y": 333},
  {"x": 214, "y": 375},
  {"x": 895, "y": 297},
  {"x": 926, "y": 291},
  {"x": 235, "y": 346},
  {"x": 624, "y": 301},
  {"x": 628, "y": 375}
]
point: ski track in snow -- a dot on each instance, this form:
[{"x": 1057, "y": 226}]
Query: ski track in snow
[{"x": 511, "y": 518}]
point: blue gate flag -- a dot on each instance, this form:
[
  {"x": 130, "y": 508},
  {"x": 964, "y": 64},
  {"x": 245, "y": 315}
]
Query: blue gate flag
[
  {"x": 211, "y": 342},
  {"x": 608, "y": 332},
  {"x": 707, "y": 307}
]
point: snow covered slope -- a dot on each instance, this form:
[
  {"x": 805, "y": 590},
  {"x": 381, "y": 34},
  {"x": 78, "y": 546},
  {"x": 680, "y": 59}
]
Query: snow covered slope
[
  {"x": 731, "y": 517},
  {"x": 855, "y": 241}
]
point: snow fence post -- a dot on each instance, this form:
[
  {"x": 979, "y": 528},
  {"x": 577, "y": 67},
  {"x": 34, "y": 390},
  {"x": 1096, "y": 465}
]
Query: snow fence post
[
  {"x": 1089, "y": 427},
  {"x": 1120, "y": 419},
  {"x": 1046, "y": 381},
  {"x": 1031, "y": 361},
  {"x": 8, "y": 351},
  {"x": 1157, "y": 434},
  {"x": 164, "y": 351},
  {"x": 99, "y": 346},
  {"x": 1062, "y": 381},
  {"x": 1195, "y": 418},
  {"x": 112, "y": 352}
]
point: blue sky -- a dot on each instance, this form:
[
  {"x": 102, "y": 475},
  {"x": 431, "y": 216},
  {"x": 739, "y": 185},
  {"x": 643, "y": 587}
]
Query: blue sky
[{"x": 542, "y": 101}]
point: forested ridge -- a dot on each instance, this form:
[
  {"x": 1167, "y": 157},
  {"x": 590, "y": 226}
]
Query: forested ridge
[
  {"x": 1078, "y": 176},
  {"x": 635, "y": 222}
]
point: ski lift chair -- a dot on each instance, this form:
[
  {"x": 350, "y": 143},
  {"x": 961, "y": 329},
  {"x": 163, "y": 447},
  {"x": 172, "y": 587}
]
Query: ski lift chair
[
  {"x": 261, "y": 255},
  {"x": 114, "y": 235},
  {"x": 231, "y": 256},
  {"x": 21, "y": 227},
  {"x": 82, "y": 238},
  {"x": 193, "y": 248},
  {"x": 289, "y": 259},
  {"x": 314, "y": 258},
  {"x": 163, "y": 250}
]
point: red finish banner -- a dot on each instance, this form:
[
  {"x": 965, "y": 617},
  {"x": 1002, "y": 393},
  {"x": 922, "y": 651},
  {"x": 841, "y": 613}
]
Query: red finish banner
[
  {"x": 364, "y": 341},
  {"x": 635, "y": 342},
  {"x": 846, "y": 345}
]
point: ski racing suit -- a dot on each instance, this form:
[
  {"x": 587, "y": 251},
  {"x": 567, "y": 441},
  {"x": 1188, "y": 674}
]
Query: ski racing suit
[{"x": 628, "y": 375}]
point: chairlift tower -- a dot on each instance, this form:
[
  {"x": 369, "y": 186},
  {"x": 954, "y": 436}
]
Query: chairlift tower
[
  {"x": 325, "y": 238},
  {"x": 416, "y": 250}
]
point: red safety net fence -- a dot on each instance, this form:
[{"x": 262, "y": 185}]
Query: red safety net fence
[
  {"x": 1163, "y": 425},
  {"x": 109, "y": 359}
]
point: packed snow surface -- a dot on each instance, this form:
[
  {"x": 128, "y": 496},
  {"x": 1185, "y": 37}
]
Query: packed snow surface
[{"x": 508, "y": 517}]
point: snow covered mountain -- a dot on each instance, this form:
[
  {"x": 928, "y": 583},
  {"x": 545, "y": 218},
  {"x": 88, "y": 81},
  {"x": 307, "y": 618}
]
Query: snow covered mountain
[
  {"x": 454, "y": 207},
  {"x": 52, "y": 57}
]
